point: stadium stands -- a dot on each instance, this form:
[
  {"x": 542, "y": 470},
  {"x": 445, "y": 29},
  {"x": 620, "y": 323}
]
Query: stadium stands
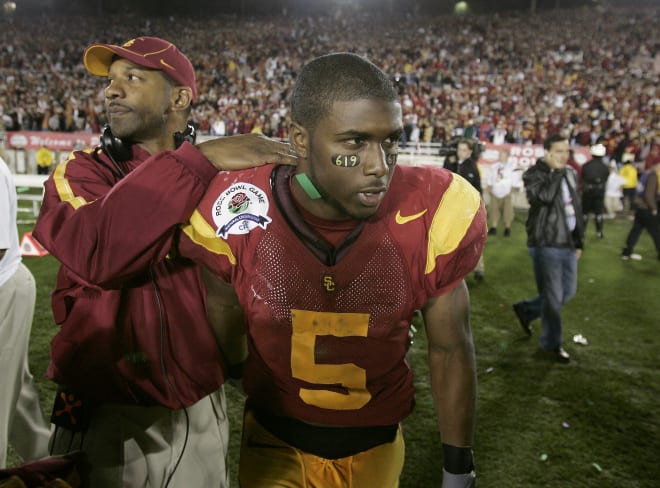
[{"x": 516, "y": 77}]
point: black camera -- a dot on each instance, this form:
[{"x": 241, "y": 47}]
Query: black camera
[{"x": 448, "y": 148}]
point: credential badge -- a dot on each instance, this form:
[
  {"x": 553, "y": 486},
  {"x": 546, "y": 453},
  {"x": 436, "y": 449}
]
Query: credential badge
[{"x": 239, "y": 209}]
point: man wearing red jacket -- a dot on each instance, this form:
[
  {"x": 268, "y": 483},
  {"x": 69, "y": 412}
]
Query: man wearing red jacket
[{"x": 136, "y": 357}]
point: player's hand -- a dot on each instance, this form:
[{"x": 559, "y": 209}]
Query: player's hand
[
  {"x": 247, "y": 151},
  {"x": 450, "y": 480}
]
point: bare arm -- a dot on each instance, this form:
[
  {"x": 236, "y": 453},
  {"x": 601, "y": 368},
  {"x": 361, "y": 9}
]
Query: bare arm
[
  {"x": 452, "y": 365},
  {"x": 246, "y": 151}
]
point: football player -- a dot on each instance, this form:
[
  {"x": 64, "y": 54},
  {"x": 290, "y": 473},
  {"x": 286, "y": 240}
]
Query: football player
[{"x": 329, "y": 261}]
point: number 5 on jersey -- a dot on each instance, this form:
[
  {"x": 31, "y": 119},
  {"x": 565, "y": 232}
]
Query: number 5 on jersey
[{"x": 307, "y": 325}]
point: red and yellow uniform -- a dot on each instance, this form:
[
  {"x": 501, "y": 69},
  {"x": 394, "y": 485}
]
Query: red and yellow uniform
[{"x": 328, "y": 327}]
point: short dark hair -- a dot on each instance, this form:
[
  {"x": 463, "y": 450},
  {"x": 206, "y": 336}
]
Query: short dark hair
[
  {"x": 336, "y": 77},
  {"x": 467, "y": 141},
  {"x": 552, "y": 139}
]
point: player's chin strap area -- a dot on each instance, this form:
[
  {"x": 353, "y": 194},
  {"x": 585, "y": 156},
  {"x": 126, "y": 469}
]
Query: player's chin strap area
[{"x": 465, "y": 480}]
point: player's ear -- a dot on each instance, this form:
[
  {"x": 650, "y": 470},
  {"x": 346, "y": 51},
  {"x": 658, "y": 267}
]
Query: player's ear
[{"x": 299, "y": 139}]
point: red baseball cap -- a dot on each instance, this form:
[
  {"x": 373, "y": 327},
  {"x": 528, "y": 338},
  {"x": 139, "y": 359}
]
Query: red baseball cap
[{"x": 150, "y": 52}]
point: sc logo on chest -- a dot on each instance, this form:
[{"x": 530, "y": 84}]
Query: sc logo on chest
[{"x": 328, "y": 283}]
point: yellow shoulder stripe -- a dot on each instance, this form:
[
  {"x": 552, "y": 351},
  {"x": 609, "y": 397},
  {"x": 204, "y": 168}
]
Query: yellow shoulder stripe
[
  {"x": 452, "y": 219},
  {"x": 201, "y": 233},
  {"x": 64, "y": 190}
]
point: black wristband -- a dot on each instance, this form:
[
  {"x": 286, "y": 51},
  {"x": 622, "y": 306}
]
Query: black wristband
[{"x": 457, "y": 460}]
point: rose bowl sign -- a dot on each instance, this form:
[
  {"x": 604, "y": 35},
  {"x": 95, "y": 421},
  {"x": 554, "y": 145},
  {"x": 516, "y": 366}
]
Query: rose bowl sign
[{"x": 525, "y": 155}]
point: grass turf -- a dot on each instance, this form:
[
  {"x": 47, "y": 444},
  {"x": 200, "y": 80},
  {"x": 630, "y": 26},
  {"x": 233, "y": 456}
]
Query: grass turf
[{"x": 591, "y": 423}]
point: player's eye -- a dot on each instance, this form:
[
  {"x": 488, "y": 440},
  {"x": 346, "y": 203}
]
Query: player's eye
[
  {"x": 391, "y": 143},
  {"x": 354, "y": 142}
]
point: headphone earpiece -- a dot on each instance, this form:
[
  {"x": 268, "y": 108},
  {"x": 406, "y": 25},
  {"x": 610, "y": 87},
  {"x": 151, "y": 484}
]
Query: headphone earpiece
[
  {"x": 190, "y": 135},
  {"x": 119, "y": 151},
  {"x": 114, "y": 146}
]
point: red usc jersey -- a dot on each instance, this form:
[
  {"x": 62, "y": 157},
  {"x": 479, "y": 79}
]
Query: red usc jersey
[{"x": 328, "y": 327}]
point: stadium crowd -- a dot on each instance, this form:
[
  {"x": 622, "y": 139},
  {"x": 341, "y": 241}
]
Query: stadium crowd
[{"x": 507, "y": 78}]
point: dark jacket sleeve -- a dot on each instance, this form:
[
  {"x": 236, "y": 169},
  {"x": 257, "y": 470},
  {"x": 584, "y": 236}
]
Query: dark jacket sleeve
[
  {"x": 105, "y": 230},
  {"x": 469, "y": 170},
  {"x": 651, "y": 191},
  {"x": 542, "y": 185}
]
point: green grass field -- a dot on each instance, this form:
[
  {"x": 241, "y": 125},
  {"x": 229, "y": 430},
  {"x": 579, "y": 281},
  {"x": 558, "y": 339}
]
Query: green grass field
[{"x": 591, "y": 423}]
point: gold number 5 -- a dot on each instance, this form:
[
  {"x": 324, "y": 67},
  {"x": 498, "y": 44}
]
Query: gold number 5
[{"x": 307, "y": 326}]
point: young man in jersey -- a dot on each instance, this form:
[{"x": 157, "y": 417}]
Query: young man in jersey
[
  {"x": 330, "y": 263},
  {"x": 140, "y": 372}
]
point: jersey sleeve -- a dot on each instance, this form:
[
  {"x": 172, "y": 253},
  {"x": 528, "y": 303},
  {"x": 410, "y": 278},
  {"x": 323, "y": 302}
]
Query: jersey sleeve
[
  {"x": 199, "y": 239},
  {"x": 200, "y": 243},
  {"x": 456, "y": 236},
  {"x": 105, "y": 230}
]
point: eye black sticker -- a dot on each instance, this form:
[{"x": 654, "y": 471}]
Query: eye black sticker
[
  {"x": 346, "y": 160},
  {"x": 352, "y": 160},
  {"x": 390, "y": 159}
]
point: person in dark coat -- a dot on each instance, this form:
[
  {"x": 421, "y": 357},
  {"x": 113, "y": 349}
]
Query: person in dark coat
[{"x": 594, "y": 176}]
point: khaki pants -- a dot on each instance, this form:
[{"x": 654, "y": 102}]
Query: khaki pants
[
  {"x": 22, "y": 422},
  {"x": 501, "y": 208},
  {"x": 131, "y": 447}
]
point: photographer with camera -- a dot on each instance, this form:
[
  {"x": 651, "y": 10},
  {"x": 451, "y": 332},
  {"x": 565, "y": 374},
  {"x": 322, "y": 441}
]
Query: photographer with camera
[{"x": 465, "y": 165}]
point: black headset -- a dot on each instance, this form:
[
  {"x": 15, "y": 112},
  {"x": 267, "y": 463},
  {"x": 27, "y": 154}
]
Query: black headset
[{"x": 119, "y": 151}]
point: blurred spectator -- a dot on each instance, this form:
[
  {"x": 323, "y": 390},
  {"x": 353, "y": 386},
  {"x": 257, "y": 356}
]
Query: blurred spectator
[
  {"x": 613, "y": 192},
  {"x": 498, "y": 186},
  {"x": 44, "y": 158},
  {"x": 466, "y": 166},
  {"x": 646, "y": 213},
  {"x": 22, "y": 422},
  {"x": 594, "y": 179},
  {"x": 629, "y": 173}
]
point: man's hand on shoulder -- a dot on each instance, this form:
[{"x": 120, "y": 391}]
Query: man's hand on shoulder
[{"x": 246, "y": 151}]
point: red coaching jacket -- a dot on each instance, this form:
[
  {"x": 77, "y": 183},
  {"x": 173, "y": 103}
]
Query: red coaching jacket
[{"x": 133, "y": 321}]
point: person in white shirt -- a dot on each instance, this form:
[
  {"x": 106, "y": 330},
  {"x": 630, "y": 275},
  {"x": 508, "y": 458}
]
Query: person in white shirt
[
  {"x": 499, "y": 184},
  {"x": 22, "y": 422},
  {"x": 614, "y": 192}
]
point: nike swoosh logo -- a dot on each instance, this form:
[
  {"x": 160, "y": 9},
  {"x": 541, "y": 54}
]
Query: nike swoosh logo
[{"x": 400, "y": 219}]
